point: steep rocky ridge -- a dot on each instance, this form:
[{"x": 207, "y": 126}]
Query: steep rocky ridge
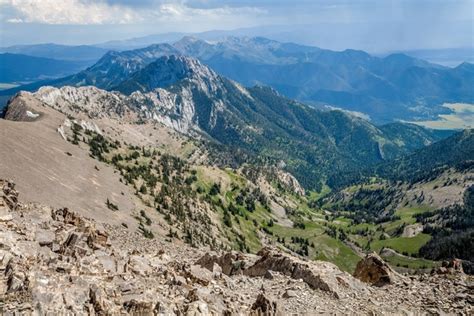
[{"x": 62, "y": 151}]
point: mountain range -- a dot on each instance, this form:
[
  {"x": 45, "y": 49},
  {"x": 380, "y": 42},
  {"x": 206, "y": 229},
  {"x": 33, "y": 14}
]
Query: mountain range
[
  {"x": 396, "y": 87},
  {"x": 255, "y": 124},
  {"x": 84, "y": 53}
]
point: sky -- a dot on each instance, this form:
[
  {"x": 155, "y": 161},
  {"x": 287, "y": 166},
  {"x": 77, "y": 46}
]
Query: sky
[{"x": 372, "y": 25}]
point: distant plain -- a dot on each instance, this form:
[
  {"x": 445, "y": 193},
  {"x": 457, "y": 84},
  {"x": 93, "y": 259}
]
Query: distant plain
[{"x": 462, "y": 117}]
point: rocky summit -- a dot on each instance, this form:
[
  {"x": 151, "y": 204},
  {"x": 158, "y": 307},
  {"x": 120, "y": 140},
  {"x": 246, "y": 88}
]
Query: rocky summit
[{"x": 54, "y": 261}]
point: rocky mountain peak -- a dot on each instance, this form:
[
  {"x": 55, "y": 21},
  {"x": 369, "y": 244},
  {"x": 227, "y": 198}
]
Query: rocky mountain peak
[
  {"x": 187, "y": 41},
  {"x": 166, "y": 71},
  {"x": 89, "y": 100},
  {"x": 185, "y": 65}
]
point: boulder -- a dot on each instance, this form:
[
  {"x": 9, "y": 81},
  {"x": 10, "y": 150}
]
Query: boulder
[
  {"x": 67, "y": 217},
  {"x": 139, "y": 265},
  {"x": 96, "y": 237},
  {"x": 5, "y": 215},
  {"x": 197, "y": 308},
  {"x": 199, "y": 275},
  {"x": 269, "y": 275},
  {"x": 289, "y": 294},
  {"x": 5, "y": 257},
  {"x": 450, "y": 267},
  {"x": 98, "y": 299},
  {"x": 135, "y": 307},
  {"x": 320, "y": 275},
  {"x": 8, "y": 195},
  {"x": 231, "y": 263},
  {"x": 455, "y": 265},
  {"x": 271, "y": 261},
  {"x": 45, "y": 237},
  {"x": 16, "y": 278},
  {"x": 373, "y": 270},
  {"x": 179, "y": 280},
  {"x": 263, "y": 306}
]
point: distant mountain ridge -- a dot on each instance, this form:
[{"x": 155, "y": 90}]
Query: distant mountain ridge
[
  {"x": 84, "y": 53},
  {"x": 387, "y": 89}
]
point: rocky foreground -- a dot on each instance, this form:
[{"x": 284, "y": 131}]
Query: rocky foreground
[{"x": 52, "y": 261}]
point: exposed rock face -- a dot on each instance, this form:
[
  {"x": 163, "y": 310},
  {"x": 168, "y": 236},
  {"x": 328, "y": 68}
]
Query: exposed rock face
[
  {"x": 450, "y": 267},
  {"x": 412, "y": 230},
  {"x": 175, "y": 108},
  {"x": 263, "y": 306},
  {"x": 96, "y": 103},
  {"x": 230, "y": 263},
  {"x": 166, "y": 71},
  {"x": 18, "y": 109},
  {"x": 291, "y": 182},
  {"x": 161, "y": 101},
  {"x": 8, "y": 195},
  {"x": 373, "y": 270},
  {"x": 320, "y": 275}
]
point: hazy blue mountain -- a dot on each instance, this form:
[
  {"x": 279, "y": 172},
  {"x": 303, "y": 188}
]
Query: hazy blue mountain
[
  {"x": 62, "y": 52},
  {"x": 21, "y": 68},
  {"x": 394, "y": 87},
  {"x": 387, "y": 89},
  {"x": 27, "y": 63},
  {"x": 141, "y": 42},
  {"x": 115, "y": 67},
  {"x": 451, "y": 57}
]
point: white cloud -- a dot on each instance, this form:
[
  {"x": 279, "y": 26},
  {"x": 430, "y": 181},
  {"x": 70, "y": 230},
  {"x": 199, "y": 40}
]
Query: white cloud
[
  {"x": 15, "y": 20},
  {"x": 68, "y": 12},
  {"x": 178, "y": 11},
  {"x": 84, "y": 12}
]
